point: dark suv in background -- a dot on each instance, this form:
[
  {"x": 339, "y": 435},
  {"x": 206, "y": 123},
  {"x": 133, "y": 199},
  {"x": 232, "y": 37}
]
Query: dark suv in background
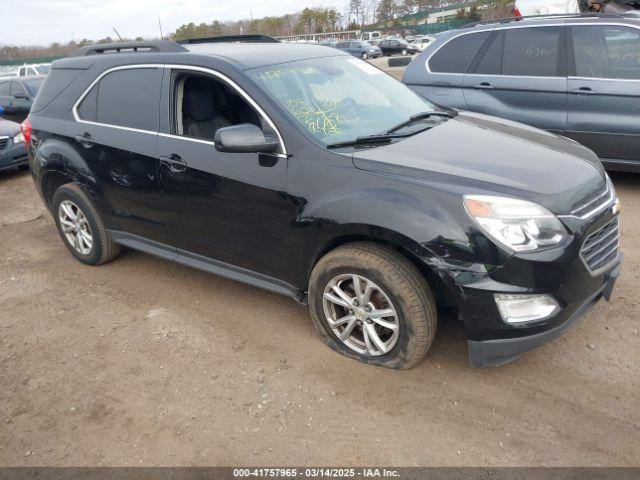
[
  {"x": 17, "y": 95},
  {"x": 578, "y": 76},
  {"x": 305, "y": 171}
]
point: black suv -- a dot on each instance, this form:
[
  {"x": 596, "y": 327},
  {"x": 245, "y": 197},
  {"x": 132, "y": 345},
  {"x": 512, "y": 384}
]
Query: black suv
[{"x": 305, "y": 171}]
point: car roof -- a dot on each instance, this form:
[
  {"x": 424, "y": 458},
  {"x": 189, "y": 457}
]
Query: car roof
[
  {"x": 547, "y": 21},
  {"x": 254, "y": 55}
]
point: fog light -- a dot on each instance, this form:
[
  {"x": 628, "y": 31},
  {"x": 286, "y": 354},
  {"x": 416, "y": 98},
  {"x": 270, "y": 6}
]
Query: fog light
[{"x": 516, "y": 309}]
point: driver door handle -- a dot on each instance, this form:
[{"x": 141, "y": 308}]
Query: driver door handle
[
  {"x": 483, "y": 86},
  {"x": 174, "y": 163},
  {"x": 583, "y": 91}
]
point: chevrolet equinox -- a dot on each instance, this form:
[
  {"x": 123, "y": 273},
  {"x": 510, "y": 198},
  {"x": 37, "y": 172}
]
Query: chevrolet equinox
[{"x": 310, "y": 173}]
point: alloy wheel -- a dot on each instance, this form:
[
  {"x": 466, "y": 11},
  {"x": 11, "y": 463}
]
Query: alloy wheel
[
  {"x": 361, "y": 314},
  {"x": 75, "y": 227}
]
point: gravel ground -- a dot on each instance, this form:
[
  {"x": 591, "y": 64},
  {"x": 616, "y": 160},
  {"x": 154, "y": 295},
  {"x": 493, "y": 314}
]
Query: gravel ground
[{"x": 144, "y": 362}]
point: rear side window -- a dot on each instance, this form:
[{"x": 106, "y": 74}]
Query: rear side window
[
  {"x": 456, "y": 55},
  {"x": 125, "y": 98},
  {"x": 532, "y": 51},
  {"x": 607, "y": 51},
  {"x": 17, "y": 89},
  {"x": 342, "y": 45}
]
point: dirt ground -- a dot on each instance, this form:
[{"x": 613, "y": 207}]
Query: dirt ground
[{"x": 144, "y": 362}]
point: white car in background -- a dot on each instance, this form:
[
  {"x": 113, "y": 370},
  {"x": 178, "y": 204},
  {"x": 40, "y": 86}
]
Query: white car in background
[
  {"x": 527, "y": 8},
  {"x": 34, "y": 69},
  {"x": 422, "y": 41}
]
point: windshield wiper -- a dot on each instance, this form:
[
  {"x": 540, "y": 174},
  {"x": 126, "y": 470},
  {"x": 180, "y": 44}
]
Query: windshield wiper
[
  {"x": 417, "y": 117},
  {"x": 378, "y": 138}
]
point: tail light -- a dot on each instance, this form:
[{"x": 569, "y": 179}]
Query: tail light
[{"x": 26, "y": 129}]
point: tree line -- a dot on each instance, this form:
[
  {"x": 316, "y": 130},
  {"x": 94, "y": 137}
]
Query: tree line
[{"x": 355, "y": 15}]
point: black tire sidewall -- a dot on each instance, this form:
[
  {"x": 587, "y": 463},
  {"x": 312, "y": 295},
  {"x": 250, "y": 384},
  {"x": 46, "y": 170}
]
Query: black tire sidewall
[
  {"x": 64, "y": 193},
  {"x": 398, "y": 352}
]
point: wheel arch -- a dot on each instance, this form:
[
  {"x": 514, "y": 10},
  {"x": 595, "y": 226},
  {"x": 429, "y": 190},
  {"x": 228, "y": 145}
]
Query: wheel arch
[{"x": 408, "y": 248}]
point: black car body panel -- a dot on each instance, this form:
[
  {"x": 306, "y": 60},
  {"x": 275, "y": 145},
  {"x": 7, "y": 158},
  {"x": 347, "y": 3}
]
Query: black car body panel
[{"x": 266, "y": 219}]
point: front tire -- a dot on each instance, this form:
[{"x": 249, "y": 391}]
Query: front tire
[
  {"x": 404, "y": 52},
  {"x": 81, "y": 228},
  {"x": 368, "y": 302},
  {"x": 365, "y": 56}
]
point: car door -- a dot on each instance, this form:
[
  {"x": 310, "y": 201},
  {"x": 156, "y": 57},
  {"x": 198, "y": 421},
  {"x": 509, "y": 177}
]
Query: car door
[
  {"x": 604, "y": 90},
  {"x": 116, "y": 134},
  {"x": 225, "y": 208},
  {"x": 520, "y": 74}
]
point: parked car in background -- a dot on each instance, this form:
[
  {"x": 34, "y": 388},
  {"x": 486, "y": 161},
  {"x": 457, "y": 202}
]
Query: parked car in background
[
  {"x": 35, "y": 69},
  {"x": 17, "y": 95},
  {"x": 13, "y": 149},
  {"x": 307, "y": 172},
  {"x": 422, "y": 42},
  {"x": 520, "y": 71},
  {"x": 359, "y": 48},
  {"x": 397, "y": 46}
]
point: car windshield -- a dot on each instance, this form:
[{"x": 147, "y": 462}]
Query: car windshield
[
  {"x": 33, "y": 85},
  {"x": 42, "y": 69},
  {"x": 338, "y": 99},
  {"x": 365, "y": 44}
]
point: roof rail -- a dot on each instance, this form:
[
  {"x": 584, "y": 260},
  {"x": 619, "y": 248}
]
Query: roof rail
[
  {"x": 129, "y": 47},
  {"x": 232, "y": 39},
  {"x": 542, "y": 17}
]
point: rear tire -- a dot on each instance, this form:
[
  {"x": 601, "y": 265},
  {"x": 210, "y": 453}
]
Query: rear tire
[
  {"x": 81, "y": 228},
  {"x": 400, "y": 339}
]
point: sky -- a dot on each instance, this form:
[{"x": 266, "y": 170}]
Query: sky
[{"x": 41, "y": 22}]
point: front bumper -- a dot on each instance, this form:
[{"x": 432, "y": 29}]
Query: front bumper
[
  {"x": 500, "y": 351},
  {"x": 13, "y": 156}
]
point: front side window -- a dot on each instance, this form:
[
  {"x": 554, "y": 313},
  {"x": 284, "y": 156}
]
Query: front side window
[
  {"x": 17, "y": 90},
  {"x": 337, "y": 99},
  {"x": 532, "y": 51},
  {"x": 5, "y": 89},
  {"x": 125, "y": 98},
  {"x": 456, "y": 55},
  {"x": 607, "y": 51},
  {"x": 204, "y": 104}
]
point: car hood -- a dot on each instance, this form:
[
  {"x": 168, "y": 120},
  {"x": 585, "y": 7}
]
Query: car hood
[
  {"x": 477, "y": 153},
  {"x": 8, "y": 129}
]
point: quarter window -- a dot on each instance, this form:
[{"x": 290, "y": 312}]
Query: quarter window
[
  {"x": 456, "y": 55},
  {"x": 607, "y": 51},
  {"x": 125, "y": 98}
]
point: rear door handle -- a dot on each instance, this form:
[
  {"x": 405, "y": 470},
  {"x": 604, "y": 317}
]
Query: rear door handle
[
  {"x": 484, "y": 86},
  {"x": 174, "y": 163},
  {"x": 85, "y": 140},
  {"x": 583, "y": 91}
]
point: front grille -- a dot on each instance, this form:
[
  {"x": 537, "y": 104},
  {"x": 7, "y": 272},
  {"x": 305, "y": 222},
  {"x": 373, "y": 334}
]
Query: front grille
[
  {"x": 594, "y": 202},
  {"x": 3, "y": 142},
  {"x": 601, "y": 247}
]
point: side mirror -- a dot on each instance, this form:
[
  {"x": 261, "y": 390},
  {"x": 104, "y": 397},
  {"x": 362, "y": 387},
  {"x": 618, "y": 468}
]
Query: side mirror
[{"x": 244, "y": 138}]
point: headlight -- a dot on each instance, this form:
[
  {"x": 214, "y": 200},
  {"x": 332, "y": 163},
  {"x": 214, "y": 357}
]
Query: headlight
[
  {"x": 19, "y": 138},
  {"x": 519, "y": 225}
]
